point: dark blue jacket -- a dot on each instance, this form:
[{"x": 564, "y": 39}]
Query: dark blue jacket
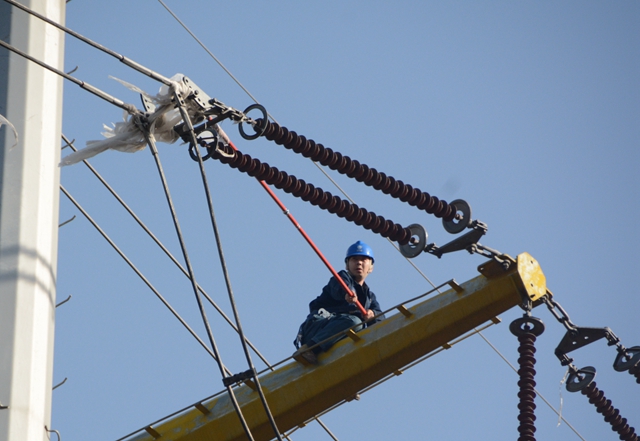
[{"x": 332, "y": 298}]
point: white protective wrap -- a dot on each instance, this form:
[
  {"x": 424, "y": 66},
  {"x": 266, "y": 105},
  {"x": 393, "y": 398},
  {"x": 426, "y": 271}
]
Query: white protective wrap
[
  {"x": 5, "y": 121},
  {"x": 125, "y": 136}
]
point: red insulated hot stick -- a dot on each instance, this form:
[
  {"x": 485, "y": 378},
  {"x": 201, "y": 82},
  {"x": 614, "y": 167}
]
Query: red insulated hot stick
[{"x": 304, "y": 234}]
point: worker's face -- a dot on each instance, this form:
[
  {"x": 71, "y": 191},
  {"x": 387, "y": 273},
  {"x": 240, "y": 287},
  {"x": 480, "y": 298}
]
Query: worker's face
[{"x": 359, "y": 267}]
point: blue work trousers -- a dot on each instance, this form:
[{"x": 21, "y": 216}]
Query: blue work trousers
[{"x": 318, "y": 328}]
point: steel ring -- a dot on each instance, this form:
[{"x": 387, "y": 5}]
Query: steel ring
[{"x": 263, "y": 123}]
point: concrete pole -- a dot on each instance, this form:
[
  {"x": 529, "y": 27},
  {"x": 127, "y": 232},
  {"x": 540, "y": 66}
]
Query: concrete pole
[{"x": 30, "y": 98}]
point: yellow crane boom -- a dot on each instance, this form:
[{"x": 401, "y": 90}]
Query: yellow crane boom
[{"x": 297, "y": 392}]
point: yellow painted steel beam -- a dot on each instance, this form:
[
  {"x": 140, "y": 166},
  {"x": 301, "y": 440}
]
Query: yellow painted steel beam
[{"x": 296, "y": 392}]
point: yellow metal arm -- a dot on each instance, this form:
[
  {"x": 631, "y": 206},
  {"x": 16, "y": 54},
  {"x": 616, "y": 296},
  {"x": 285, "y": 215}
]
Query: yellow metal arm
[{"x": 296, "y": 392}]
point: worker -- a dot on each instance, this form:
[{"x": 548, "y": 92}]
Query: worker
[{"x": 335, "y": 310}]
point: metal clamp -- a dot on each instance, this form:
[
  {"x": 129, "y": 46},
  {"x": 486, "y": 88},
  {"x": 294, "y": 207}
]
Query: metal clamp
[{"x": 246, "y": 375}]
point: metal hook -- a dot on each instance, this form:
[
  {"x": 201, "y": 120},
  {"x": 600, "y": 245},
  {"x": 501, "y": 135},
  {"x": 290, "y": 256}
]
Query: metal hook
[
  {"x": 3, "y": 407},
  {"x": 64, "y": 301},
  {"x": 67, "y": 221},
  {"x": 53, "y": 431},
  {"x": 60, "y": 384},
  {"x": 75, "y": 68}
]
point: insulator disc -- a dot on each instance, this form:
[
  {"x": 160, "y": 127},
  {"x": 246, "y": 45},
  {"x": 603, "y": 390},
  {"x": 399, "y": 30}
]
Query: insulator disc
[
  {"x": 523, "y": 325},
  {"x": 623, "y": 363},
  {"x": 411, "y": 250},
  {"x": 456, "y": 226},
  {"x": 576, "y": 384}
]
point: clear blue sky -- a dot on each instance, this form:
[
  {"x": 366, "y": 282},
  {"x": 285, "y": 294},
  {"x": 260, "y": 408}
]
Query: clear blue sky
[{"x": 530, "y": 111}]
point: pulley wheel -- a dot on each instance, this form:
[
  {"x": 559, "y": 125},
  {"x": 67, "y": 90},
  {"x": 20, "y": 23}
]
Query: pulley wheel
[
  {"x": 417, "y": 243},
  {"x": 576, "y": 384},
  {"x": 623, "y": 363},
  {"x": 522, "y": 325},
  {"x": 462, "y": 219},
  {"x": 259, "y": 130}
]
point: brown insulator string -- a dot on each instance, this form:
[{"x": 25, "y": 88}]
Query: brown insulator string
[
  {"x": 527, "y": 386},
  {"x": 582, "y": 380},
  {"x": 360, "y": 172},
  {"x": 308, "y": 192},
  {"x": 526, "y": 329},
  {"x": 610, "y": 413}
]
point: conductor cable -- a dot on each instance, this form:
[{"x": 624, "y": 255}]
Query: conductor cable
[
  {"x": 137, "y": 271},
  {"x": 164, "y": 249},
  {"x": 148, "y": 72},
  {"x": 214, "y": 225},
  {"x": 154, "y": 152},
  {"x": 130, "y": 108}
]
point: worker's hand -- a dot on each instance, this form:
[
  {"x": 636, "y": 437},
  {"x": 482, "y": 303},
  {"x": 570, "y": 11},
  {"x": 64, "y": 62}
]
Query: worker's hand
[
  {"x": 350, "y": 298},
  {"x": 369, "y": 316}
]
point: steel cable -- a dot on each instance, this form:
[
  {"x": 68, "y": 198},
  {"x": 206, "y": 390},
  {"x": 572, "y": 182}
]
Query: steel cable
[
  {"x": 227, "y": 279},
  {"x": 232, "y": 397}
]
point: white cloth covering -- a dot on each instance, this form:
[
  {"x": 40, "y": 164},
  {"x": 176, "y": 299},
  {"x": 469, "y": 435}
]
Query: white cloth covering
[{"x": 125, "y": 136}]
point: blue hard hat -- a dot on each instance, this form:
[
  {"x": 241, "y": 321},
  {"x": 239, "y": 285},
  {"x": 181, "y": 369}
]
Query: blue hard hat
[{"x": 359, "y": 249}]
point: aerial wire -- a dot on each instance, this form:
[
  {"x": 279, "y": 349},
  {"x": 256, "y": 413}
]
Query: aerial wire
[
  {"x": 137, "y": 271},
  {"x": 137, "y": 114},
  {"x": 162, "y": 247},
  {"x": 339, "y": 187},
  {"x": 132, "y": 110},
  {"x": 150, "y": 73},
  {"x": 223, "y": 263}
]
